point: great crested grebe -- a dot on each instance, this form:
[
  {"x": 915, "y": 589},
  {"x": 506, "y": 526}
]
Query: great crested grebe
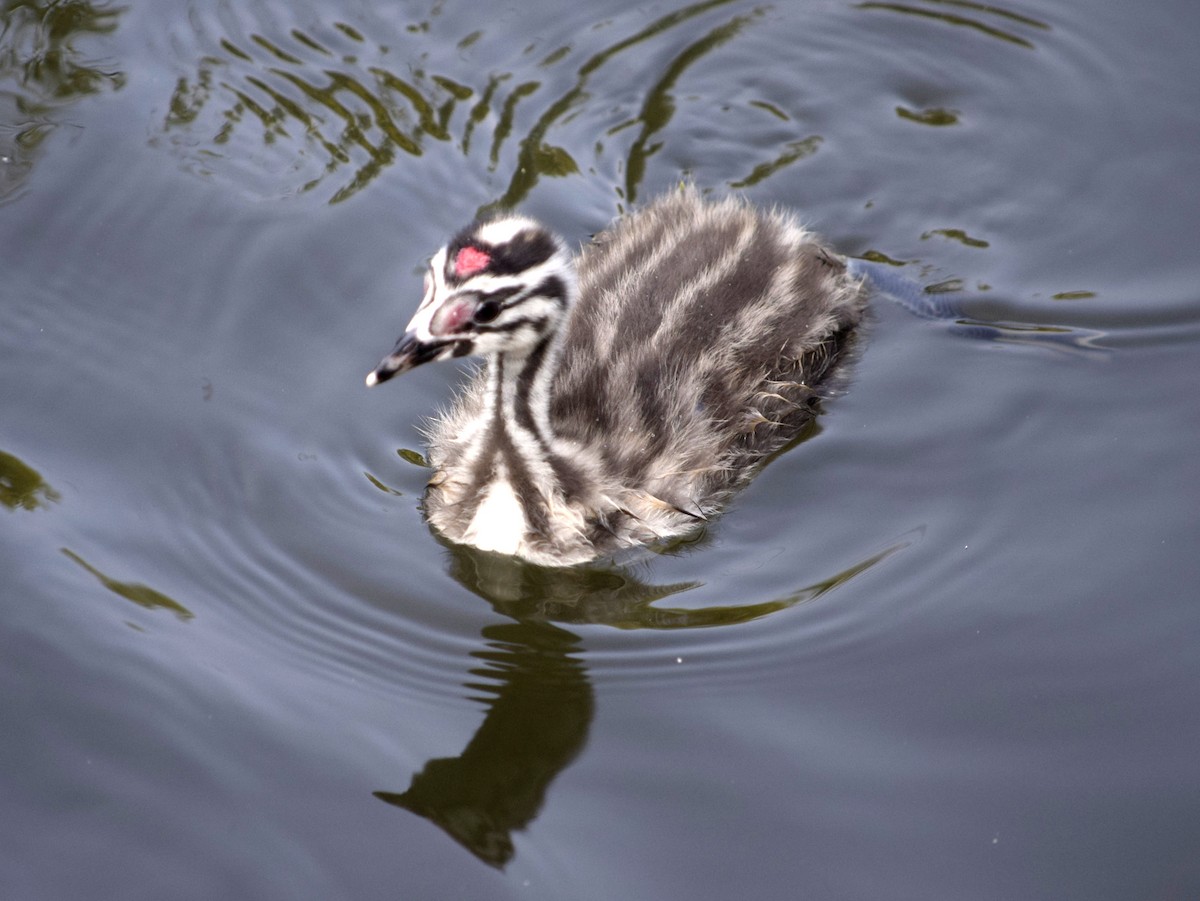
[{"x": 627, "y": 392}]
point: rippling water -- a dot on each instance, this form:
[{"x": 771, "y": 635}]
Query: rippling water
[{"x": 943, "y": 648}]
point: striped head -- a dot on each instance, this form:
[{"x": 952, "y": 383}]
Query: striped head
[{"x": 499, "y": 287}]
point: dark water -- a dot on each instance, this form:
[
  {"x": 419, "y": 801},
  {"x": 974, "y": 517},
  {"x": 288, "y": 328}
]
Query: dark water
[{"x": 945, "y": 648}]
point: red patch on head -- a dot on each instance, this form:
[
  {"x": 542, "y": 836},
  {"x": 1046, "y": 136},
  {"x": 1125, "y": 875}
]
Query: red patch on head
[{"x": 470, "y": 260}]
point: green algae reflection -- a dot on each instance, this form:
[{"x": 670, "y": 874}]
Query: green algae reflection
[
  {"x": 982, "y": 18},
  {"x": 337, "y": 110},
  {"x": 22, "y": 487},
  {"x": 45, "y": 69},
  {"x": 142, "y": 595}
]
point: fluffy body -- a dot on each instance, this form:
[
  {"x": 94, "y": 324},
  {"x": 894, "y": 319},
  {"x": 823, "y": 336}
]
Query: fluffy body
[{"x": 623, "y": 404}]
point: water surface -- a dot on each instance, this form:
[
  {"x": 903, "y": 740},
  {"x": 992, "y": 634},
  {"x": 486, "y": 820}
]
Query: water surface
[{"x": 943, "y": 648}]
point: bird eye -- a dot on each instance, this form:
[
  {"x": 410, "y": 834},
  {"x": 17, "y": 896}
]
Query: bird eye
[{"x": 487, "y": 311}]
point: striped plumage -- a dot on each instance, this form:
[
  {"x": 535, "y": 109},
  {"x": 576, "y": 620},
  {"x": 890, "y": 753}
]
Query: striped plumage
[{"x": 627, "y": 394}]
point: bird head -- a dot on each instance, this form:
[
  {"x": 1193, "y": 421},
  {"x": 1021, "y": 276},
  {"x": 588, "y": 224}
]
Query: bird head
[{"x": 498, "y": 287}]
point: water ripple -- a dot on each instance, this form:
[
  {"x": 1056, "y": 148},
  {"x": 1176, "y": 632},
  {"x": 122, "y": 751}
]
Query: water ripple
[{"x": 326, "y": 108}]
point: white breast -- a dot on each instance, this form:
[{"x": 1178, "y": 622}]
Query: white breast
[{"x": 499, "y": 524}]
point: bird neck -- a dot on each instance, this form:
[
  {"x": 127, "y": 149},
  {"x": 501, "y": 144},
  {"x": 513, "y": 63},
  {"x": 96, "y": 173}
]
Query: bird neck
[{"x": 519, "y": 393}]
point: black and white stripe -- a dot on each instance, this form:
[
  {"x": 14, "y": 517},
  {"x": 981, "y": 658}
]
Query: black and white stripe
[{"x": 624, "y": 402}]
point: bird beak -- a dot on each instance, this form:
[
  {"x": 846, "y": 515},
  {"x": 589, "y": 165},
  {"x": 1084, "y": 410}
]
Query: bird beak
[
  {"x": 409, "y": 353},
  {"x": 435, "y": 333}
]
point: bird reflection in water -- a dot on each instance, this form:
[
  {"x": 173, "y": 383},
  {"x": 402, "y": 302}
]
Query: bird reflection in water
[
  {"x": 540, "y": 703},
  {"x": 534, "y": 683}
]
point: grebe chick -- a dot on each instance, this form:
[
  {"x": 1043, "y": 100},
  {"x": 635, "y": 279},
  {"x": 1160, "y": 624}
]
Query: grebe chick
[{"x": 629, "y": 392}]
